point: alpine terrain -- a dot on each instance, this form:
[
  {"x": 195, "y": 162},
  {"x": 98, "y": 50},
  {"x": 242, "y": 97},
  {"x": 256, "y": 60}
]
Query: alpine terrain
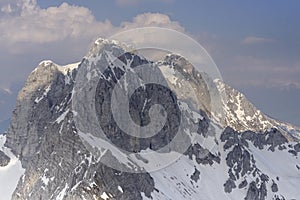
[{"x": 228, "y": 149}]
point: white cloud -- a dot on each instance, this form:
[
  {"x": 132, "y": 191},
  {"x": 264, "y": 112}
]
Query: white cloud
[
  {"x": 152, "y": 19},
  {"x": 64, "y": 33},
  {"x": 6, "y": 90},
  {"x": 29, "y": 34},
  {"x": 35, "y": 25},
  {"x": 52, "y": 24},
  {"x": 256, "y": 40}
]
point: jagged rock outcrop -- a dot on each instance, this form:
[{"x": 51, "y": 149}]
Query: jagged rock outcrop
[
  {"x": 4, "y": 159},
  {"x": 234, "y": 162},
  {"x": 242, "y": 115}
]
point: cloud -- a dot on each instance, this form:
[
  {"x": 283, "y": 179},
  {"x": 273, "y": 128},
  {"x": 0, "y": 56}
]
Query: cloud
[
  {"x": 35, "y": 25},
  {"x": 256, "y": 40},
  {"x": 152, "y": 19},
  {"x": 52, "y": 24},
  {"x": 62, "y": 33},
  {"x": 6, "y": 90}
]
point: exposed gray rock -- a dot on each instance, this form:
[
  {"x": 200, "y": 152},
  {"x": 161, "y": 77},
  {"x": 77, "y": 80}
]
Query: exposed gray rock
[
  {"x": 242, "y": 115},
  {"x": 201, "y": 155},
  {"x": 241, "y": 162},
  {"x": 297, "y": 147},
  {"x": 229, "y": 185},
  {"x": 243, "y": 184},
  {"x": 139, "y": 106},
  {"x": 44, "y": 136},
  {"x": 274, "y": 187},
  {"x": 274, "y": 138},
  {"x": 253, "y": 192},
  {"x": 4, "y": 159},
  {"x": 203, "y": 124},
  {"x": 279, "y": 197},
  {"x": 196, "y": 175},
  {"x": 294, "y": 150},
  {"x": 57, "y": 163},
  {"x": 195, "y": 78}
]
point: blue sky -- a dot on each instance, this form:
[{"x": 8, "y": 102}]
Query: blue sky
[{"x": 256, "y": 44}]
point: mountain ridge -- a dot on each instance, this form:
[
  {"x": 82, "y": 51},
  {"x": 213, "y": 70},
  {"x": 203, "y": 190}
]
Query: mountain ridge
[{"x": 60, "y": 165}]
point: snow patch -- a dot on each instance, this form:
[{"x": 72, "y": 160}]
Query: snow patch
[
  {"x": 62, "y": 193},
  {"x": 279, "y": 164},
  {"x": 38, "y": 99},
  {"x": 169, "y": 73},
  {"x": 104, "y": 196},
  {"x": 10, "y": 174},
  {"x": 68, "y": 68},
  {"x": 174, "y": 182},
  {"x": 62, "y": 117},
  {"x": 46, "y": 63},
  {"x": 45, "y": 180},
  {"x": 120, "y": 189},
  {"x": 97, "y": 142}
]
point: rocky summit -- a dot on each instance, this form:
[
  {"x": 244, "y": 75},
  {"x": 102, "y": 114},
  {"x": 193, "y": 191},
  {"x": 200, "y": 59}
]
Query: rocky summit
[{"x": 227, "y": 149}]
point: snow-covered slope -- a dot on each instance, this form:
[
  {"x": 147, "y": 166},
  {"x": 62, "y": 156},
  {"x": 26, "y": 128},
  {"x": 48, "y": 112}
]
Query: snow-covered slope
[
  {"x": 227, "y": 149},
  {"x": 243, "y": 115},
  {"x": 10, "y": 173}
]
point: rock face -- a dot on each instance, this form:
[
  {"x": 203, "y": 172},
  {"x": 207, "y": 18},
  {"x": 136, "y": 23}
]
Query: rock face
[
  {"x": 241, "y": 162},
  {"x": 140, "y": 103},
  {"x": 239, "y": 158},
  {"x": 4, "y": 159},
  {"x": 242, "y": 115}
]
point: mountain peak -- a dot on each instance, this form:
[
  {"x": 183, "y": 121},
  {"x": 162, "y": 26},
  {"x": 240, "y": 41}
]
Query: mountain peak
[
  {"x": 239, "y": 155},
  {"x": 46, "y": 63}
]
